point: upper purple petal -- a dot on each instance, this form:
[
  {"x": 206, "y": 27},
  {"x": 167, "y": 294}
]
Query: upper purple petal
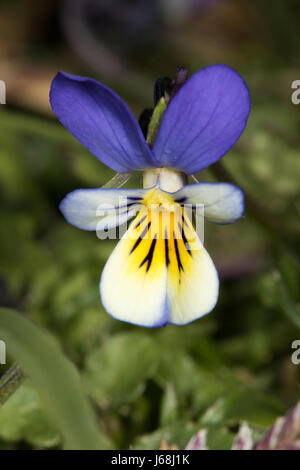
[
  {"x": 101, "y": 121},
  {"x": 204, "y": 120}
]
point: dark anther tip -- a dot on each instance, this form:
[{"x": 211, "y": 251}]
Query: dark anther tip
[{"x": 181, "y": 76}]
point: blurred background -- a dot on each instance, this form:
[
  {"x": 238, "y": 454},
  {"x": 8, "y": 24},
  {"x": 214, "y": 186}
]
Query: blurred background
[{"x": 149, "y": 386}]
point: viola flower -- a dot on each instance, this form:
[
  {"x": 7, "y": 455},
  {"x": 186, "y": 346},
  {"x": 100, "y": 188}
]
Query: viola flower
[{"x": 167, "y": 277}]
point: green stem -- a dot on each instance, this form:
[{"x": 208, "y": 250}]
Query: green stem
[
  {"x": 10, "y": 382},
  {"x": 155, "y": 122}
]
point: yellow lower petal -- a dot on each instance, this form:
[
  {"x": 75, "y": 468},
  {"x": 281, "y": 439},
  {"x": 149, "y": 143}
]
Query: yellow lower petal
[{"x": 159, "y": 272}]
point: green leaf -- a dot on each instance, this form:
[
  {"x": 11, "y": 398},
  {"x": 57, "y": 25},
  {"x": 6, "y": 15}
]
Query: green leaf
[
  {"x": 116, "y": 373},
  {"x": 177, "y": 434},
  {"x": 55, "y": 379},
  {"x": 22, "y": 418},
  {"x": 168, "y": 412},
  {"x": 188, "y": 379},
  {"x": 219, "y": 438},
  {"x": 288, "y": 306},
  {"x": 243, "y": 405}
]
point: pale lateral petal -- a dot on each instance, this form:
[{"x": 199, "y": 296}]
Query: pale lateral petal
[
  {"x": 87, "y": 208},
  {"x": 116, "y": 218},
  {"x": 223, "y": 202}
]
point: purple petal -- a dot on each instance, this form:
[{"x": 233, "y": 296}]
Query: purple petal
[
  {"x": 294, "y": 446},
  {"x": 204, "y": 120},
  {"x": 101, "y": 121},
  {"x": 270, "y": 439},
  {"x": 198, "y": 441},
  {"x": 283, "y": 433},
  {"x": 291, "y": 427},
  {"x": 243, "y": 439}
]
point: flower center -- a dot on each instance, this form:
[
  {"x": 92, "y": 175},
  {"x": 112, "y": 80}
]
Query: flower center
[
  {"x": 157, "y": 199},
  {"x": 165, "y": 178}
]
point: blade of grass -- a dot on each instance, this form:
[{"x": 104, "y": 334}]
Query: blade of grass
[
  {"x": 43, "y": 126},
  {"x": 56, "y": 380}
]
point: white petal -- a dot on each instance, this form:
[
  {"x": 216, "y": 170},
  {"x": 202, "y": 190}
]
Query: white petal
[
  {"x": 87, "y": 208},
  {"x": 223, "y": 202},
  {"x": 243, "y": 440}
]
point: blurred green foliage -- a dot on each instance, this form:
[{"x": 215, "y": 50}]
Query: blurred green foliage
[
  {"x": 55, "y": 379},
  {"x": 148, "y": 385}
]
